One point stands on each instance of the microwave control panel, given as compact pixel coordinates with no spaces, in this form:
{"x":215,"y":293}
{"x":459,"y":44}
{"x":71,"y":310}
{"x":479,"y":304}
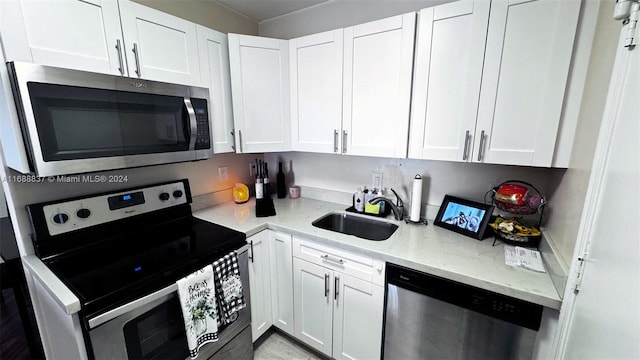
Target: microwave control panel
{"x":203,"y":135}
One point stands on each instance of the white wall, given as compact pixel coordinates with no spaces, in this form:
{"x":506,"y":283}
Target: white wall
{"x":337,"y":14}
{"x":206,"y":13}
{"x":347,"y":173}
{"x":570,"y":187}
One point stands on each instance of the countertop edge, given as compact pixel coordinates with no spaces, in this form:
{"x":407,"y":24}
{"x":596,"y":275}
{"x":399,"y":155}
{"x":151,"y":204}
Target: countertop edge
{"x":545,"y":301}
{"x":67,"y":300}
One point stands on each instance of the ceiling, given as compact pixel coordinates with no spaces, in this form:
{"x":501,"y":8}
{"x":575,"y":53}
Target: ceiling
{"x":260,"y":10}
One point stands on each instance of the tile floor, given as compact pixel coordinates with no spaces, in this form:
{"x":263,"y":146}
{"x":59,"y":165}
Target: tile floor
{"x":279,"y":347}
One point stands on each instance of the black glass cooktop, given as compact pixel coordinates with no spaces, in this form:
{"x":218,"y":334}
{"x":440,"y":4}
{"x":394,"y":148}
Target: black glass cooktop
{"x":137,"y":262}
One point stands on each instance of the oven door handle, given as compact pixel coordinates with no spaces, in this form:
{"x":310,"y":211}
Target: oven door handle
{"x":167,"y":293}
{"x":112,"y":314}
{"x":193,"y":125}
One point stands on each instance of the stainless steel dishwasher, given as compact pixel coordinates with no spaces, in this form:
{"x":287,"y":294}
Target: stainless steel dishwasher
{"x":428,"y":317}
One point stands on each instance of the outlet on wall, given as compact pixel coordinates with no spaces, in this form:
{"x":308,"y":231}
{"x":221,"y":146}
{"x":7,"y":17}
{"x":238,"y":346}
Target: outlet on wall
{"x":376,"y":180}
{"x":223,"y":173}
{"x":252,"y":169}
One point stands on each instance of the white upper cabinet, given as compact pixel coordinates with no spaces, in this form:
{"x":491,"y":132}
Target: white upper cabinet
{"x":448,"y":71}
{"x":378,"y":62}
{"x":528,"y":52}
{"x":316,"y":92}
{"x":73,"y":34}
{"x":159,"y":46}
{"x":214,"y":72}
{"x":260,"y":86}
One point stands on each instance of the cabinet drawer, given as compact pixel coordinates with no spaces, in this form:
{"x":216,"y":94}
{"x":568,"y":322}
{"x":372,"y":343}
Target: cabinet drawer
{"x":347,"y":262}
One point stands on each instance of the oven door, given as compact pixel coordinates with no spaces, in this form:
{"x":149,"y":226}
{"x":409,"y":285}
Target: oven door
{"x":152,"y":327}
{"x":77,"y":122}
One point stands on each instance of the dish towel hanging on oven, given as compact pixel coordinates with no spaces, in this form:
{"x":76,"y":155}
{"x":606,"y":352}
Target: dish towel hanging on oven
{"x":198,"y":300}
{"x":228,"y":287}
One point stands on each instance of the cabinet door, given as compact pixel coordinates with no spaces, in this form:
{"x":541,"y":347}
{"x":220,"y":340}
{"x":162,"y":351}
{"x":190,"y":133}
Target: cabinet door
{"x":260,"y":283}
{"x":378,"y":62}
{"x":313,"y":289}
{"x":446,"y":88}
{"x":316,"y":92}
{"x":281,"y":281}
{"x":159,"y":46}
{"x":260,"y":88}
{"x":529,"y":46}
{"x":214,"y":72}
{"x":72,"y":34}
{"x":357,"y":318}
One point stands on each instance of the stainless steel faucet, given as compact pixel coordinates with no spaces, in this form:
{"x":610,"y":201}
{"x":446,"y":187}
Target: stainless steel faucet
{"x":397,"y":213}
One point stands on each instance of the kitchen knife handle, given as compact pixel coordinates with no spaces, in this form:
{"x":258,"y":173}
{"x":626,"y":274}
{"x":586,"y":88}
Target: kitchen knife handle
{"x":344,"y":141}
{"x":136,"y":52}
{"x":120,"y":61}
{"x":335,"y":140}
{"x":326,"y":285}
{"x":337,"y":287}
{"x":465,"y":153}
{"x":481,"y":150}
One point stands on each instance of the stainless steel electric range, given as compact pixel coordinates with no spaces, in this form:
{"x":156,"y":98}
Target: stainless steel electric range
{"x":121,"y":254}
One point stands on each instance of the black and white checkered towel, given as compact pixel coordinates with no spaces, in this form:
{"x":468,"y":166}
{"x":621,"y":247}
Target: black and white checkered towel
{"x":228,"y":288}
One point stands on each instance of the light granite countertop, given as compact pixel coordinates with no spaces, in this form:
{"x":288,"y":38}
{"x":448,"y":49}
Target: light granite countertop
{"x":429,"y":249}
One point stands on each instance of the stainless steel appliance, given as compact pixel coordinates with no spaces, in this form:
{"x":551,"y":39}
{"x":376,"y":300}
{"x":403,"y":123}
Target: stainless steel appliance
{"x":121,"y":254}
{"x":76,"y":122}
{"x":427,"y":317}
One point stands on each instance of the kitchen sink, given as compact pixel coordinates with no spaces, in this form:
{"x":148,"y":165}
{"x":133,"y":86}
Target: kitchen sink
{"x":356,"y":225}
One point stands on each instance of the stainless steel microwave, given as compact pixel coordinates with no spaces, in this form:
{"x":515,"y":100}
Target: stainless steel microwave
{"x":77,"y":122}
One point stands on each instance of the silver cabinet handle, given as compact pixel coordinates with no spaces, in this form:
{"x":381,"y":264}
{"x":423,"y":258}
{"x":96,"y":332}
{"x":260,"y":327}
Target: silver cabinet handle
{"x":336,"y":291}
{"x":344,"y":141}
{"x":251,"y":246}
{"x":481,"y":150}
{"x":120,"y":61}
{"x":233,"y":138}
{"x":465,"y":153}
{"x":136,"y":52}
{"x":335,"y":140}
{"x":326,"y":285}
{"x":332,"y":259}
{"x":240,"y":139}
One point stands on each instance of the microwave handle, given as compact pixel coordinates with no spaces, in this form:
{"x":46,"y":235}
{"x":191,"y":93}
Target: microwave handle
{"x":193,"y":125}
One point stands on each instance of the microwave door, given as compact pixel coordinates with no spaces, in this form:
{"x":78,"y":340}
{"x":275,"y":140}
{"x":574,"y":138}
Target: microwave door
{"x":78,"y":122}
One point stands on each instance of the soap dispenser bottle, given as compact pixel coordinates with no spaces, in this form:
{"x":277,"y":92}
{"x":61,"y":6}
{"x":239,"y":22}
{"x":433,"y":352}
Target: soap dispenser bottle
{"x":358,"y":200}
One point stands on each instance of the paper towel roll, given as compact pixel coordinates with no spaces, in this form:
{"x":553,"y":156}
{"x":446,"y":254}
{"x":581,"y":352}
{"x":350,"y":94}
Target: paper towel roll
{"x":416,"y":199}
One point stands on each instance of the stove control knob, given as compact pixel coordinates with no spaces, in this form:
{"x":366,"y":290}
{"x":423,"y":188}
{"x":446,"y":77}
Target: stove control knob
{"x":60,"y":218}
{"x":164,"y":196}
{"x":177,"y":193}
{"x":83,"y":213}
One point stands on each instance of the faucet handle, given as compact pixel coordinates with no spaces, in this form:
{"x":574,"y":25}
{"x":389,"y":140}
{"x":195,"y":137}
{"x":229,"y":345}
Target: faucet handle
{"x":399,"y":202}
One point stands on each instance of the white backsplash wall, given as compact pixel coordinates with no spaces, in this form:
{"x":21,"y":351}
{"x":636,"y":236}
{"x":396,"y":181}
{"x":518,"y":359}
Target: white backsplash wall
{"x":203,"y":178}
{"x":347,"y":173}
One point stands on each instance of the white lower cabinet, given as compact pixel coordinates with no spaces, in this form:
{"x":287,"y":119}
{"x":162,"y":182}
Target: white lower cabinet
{"x":337,"y":313}
{"x":260,"y":284}
{"x":281,"y":281}
{"x":271,"y":282}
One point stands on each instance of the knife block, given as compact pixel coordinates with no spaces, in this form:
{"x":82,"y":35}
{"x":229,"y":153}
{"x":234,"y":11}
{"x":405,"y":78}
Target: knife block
{"x":264,"y":207}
